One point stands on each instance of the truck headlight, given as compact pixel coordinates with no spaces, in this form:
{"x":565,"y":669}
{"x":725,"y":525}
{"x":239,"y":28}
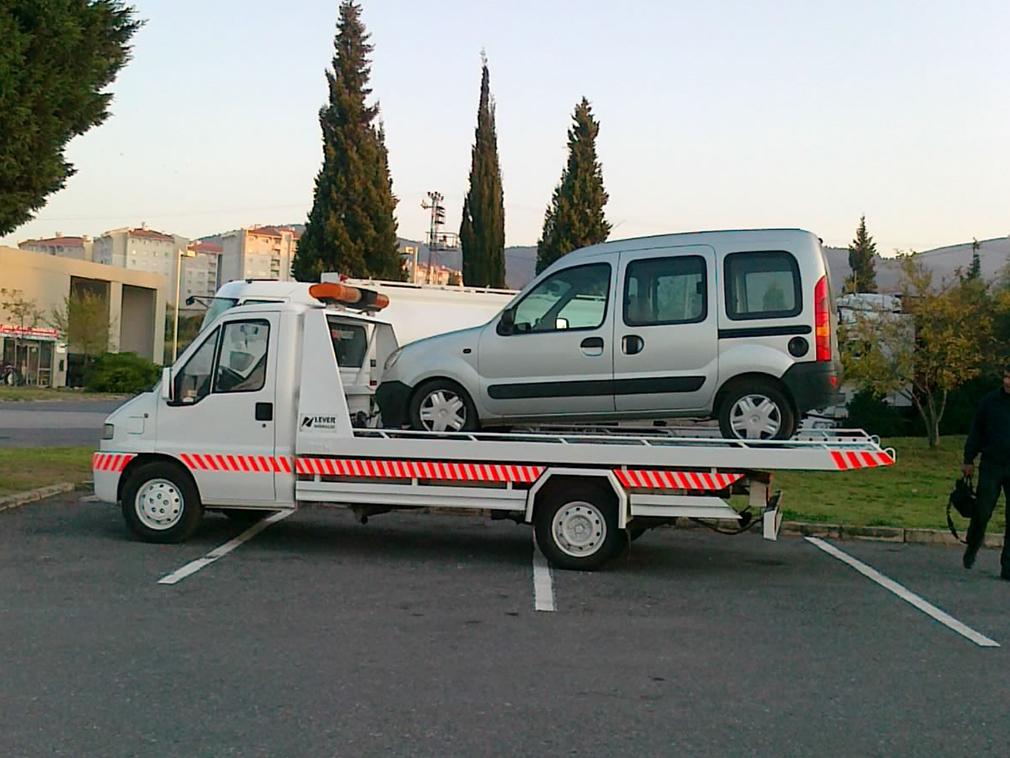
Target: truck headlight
{"x":108,"y":431}
{"x":392,"y":359}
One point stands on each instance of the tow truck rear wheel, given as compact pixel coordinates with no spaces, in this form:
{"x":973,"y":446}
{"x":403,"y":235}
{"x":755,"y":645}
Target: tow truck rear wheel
{"x":576,"y":527}
{"x":161,"y":503}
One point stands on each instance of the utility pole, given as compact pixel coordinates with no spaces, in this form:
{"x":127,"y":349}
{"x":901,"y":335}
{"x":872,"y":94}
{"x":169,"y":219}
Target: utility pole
{"x":437,"y":240}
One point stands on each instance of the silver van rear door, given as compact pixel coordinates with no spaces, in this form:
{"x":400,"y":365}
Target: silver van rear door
{"x":665,"y":330}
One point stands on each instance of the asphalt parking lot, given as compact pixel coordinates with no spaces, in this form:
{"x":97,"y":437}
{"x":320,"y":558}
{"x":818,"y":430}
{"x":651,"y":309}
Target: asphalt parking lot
{"x":418,"y":635}
{"x":54,"y":423}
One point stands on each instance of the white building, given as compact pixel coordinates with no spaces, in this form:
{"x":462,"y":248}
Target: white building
{"x":144,"y":249}
{"x":77,"y":248}
{"x":259,"y":252}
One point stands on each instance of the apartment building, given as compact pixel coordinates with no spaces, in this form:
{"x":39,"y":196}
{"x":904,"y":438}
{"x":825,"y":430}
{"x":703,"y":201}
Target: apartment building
{"x":257,"y":252}
{"x":148,"y":250}
{"x":76,"y":248}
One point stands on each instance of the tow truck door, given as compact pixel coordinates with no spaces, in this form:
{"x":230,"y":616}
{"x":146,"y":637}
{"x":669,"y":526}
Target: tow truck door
{"x":220,"y":420}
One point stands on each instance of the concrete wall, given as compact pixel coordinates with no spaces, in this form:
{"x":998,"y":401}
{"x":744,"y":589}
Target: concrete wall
{"x":47,"y":280}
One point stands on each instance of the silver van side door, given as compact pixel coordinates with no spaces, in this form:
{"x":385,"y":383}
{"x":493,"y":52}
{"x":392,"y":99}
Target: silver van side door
{"x":552,"y":353}
{"x":666,"y":348}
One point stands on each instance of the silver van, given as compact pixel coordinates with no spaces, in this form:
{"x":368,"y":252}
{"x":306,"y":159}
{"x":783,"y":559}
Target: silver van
{"x":735,"y":325}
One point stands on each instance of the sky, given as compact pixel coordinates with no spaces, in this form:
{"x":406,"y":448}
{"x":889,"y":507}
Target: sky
{"x":713,"y":115}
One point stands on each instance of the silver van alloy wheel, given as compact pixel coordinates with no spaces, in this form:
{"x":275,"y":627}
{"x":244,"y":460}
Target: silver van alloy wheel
{"x":158,"y":504}
{"x":755,"y":417}
{"x":579,"y":528}
{"x":443,"y":411}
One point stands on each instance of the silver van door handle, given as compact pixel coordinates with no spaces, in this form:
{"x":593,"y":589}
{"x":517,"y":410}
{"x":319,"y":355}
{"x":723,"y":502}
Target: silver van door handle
{"x":592,"y":346}
{"x":632,"y":344}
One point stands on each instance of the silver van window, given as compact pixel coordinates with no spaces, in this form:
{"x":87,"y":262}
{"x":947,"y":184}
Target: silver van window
{"x":762,"y":285}
{"x":665,"y":291}
{"x":574,"y":298}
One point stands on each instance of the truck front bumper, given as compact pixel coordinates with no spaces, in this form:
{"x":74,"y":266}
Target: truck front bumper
{"x":106,"y":470}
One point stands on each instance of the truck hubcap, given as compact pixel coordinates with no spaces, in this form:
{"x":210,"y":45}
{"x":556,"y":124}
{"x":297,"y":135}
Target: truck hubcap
{"x":755,"y":417}
{"x":579,"y":529}
{"x":443,"y":411}
{"x":159,"y":504}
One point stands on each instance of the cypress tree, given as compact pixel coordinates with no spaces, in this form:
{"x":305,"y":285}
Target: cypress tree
{"x":575,"y":215}
{"x":862,"y":252}
{"x":975,"y":272}
{"x":351,"y":228}
{"x":482,"y":231}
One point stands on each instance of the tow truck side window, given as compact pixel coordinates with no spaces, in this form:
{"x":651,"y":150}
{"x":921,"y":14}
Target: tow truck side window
{"x":350,"y":343}
{"x":192,"y":382}
{"x":242,"y":358}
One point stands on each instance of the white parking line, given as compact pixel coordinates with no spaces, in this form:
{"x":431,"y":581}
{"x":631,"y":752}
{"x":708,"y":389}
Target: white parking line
{"x":905,"y":594}
{"x":543,"y":581}
{"x":219,"y":552}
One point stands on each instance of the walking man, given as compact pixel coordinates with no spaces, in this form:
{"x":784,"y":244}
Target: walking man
{"x":990,"y":436}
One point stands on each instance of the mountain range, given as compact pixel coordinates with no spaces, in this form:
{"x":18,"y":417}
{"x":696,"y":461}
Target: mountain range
{"x":994,"y":255}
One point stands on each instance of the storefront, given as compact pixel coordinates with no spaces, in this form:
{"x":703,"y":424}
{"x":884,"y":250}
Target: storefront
{"x":32,"y":356}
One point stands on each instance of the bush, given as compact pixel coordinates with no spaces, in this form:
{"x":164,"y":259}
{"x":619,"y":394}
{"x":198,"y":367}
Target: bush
{"x":868,"y":411}
{"x":121,"y":372}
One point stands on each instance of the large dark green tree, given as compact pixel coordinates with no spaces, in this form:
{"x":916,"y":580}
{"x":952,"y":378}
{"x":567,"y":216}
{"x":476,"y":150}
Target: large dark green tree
{"x":482,"y":231}
{"x":575,"y":216}
{"x":56,"y":59}
{"x":351,"y":228}
{"x":862,"y":255}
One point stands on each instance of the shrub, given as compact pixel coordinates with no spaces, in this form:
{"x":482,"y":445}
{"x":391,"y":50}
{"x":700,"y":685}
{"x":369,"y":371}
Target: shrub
{"x":868,"y":411}
{"x":121,"y":372}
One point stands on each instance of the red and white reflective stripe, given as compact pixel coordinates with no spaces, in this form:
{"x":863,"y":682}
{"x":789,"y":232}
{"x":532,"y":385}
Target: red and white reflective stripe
{"x":851,"y":459}
{"x":111,"y":461}
{"x":675,"y":480}
{"x":237,"y":464}
{"x":432,"y":470}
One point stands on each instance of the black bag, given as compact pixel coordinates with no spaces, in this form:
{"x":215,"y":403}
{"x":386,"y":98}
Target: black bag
{"x":962,"y":497}
{"x":962,"y":500}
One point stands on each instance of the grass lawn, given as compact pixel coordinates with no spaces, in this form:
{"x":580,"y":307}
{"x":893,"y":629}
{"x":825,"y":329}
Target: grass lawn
{"x":911,"y":493}
{"x":27,"y":468}
{"x":14,"y":394}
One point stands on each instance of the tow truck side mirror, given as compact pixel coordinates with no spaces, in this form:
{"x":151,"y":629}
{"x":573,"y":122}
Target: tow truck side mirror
{"x":166,"y":383}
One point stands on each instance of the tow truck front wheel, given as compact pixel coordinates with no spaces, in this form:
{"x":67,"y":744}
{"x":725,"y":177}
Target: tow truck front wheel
{"x":161,"y":503}
{"x":576,"y":527}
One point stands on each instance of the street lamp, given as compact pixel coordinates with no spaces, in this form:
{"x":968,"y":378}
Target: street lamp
{"x":182,"y":253}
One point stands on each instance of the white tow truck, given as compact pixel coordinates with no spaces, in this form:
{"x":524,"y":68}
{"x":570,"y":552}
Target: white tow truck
{"x":253,"y":419}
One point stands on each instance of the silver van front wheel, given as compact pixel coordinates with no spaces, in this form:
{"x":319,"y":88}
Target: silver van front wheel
{"x":442,"y":406}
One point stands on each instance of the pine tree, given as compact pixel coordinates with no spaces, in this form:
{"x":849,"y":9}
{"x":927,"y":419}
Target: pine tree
{"x":482,"y":231}
{"x":975,"y":272}
{"x":575,"y":216}
{"x":862,"y":253}
{"x":351,"y":228}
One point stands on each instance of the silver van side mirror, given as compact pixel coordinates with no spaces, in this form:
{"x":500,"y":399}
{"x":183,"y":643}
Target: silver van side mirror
{"x":506,"y":325}
{"x":166,"y":383}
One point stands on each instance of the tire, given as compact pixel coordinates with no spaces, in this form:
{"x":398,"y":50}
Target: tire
{"x":576,"y":527}
{"x":161,"y":503}
{"x":442,"y":405}
{"x":756,"y":409}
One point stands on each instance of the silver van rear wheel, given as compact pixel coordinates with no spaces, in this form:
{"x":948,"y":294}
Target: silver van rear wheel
{"x":756,"y":410}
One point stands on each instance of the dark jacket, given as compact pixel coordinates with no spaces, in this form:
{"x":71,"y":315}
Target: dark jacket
{"x":990,"y":431}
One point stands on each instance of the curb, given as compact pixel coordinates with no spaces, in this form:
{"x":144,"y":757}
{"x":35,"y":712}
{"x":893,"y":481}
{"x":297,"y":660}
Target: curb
{"x":879,"y":534}
{"x":8,"y":502}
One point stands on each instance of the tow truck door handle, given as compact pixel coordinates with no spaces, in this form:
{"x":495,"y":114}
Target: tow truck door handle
{"x":264,"y":411}
{"x":592,"y":346}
